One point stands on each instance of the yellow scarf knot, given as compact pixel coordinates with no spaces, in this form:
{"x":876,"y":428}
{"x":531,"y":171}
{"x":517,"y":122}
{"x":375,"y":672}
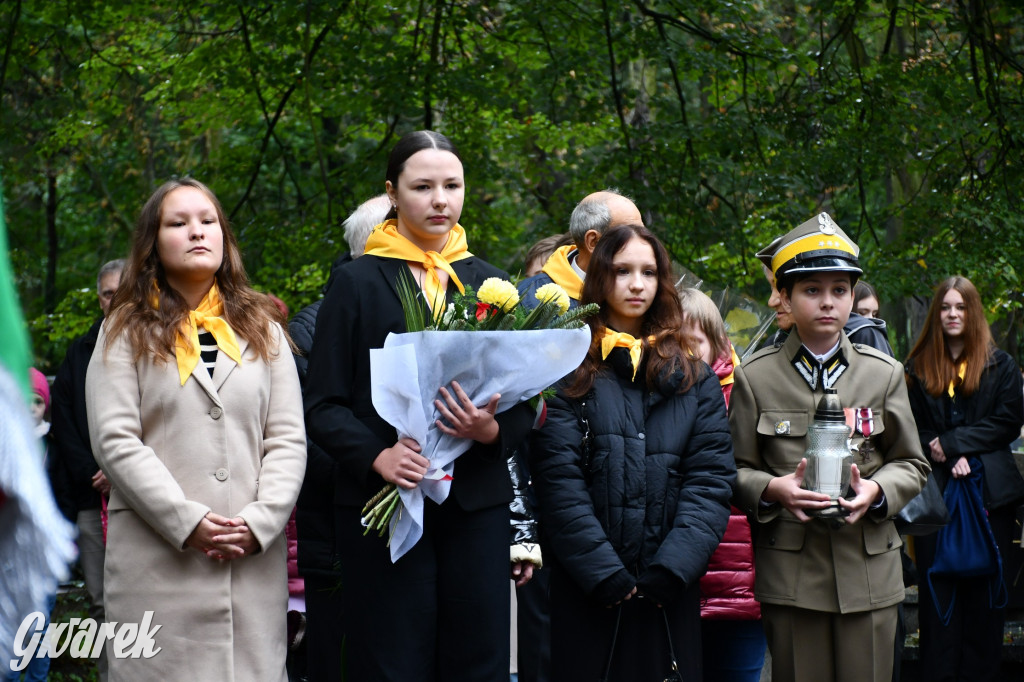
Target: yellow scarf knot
{"x":961,"y":370}
{"x":387,"y":242}
{"x":613,"y":339}
{"x":207,"y":315}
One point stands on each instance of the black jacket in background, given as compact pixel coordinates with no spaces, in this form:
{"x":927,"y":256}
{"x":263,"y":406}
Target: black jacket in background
{"x":980,"y":425}
{"x":73,"y":461}
{"x":315,"y":512}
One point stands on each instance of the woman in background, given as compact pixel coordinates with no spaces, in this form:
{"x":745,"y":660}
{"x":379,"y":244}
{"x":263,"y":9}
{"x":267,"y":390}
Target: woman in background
{"x":195,"y":417}
{"x":966,"y":396}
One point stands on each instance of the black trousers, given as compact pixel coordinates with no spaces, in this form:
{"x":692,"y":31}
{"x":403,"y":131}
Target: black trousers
{"x":534,"y":620}
{"x":323,"y":628}
{"x":441,"y":613}
{"x":970,"y":647}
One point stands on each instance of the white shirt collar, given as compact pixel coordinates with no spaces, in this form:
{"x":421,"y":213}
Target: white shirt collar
{"x":578,"y":269}
{"x":825,"y":356}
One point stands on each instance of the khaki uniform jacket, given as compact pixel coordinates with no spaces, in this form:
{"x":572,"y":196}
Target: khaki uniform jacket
{"x":814,"y":565}
{"x":234,"y":444}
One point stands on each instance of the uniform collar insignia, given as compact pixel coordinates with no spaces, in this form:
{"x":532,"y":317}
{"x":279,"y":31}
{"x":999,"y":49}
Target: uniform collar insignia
{"x":816,"y":375}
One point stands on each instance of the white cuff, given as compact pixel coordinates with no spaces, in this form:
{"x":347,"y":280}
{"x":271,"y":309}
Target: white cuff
{"x":526,"y":552}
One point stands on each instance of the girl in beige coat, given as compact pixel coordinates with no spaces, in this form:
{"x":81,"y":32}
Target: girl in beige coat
{"x":195,"y":416}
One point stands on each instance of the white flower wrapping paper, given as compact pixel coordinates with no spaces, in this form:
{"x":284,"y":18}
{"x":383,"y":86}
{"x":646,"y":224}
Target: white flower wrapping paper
{"x":409,"y":371}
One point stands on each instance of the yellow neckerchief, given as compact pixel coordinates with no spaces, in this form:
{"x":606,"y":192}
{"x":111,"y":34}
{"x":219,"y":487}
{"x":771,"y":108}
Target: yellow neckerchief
{"x":559,"y":269}
{"x":613,"y":339}
{"x":207,"y":315}
{"x":731,"y":377}
{"x":961,"y":370}
{"x":387,"y":242}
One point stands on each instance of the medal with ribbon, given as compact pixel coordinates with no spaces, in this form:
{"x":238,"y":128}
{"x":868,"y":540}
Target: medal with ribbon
{"x":865,"y":425}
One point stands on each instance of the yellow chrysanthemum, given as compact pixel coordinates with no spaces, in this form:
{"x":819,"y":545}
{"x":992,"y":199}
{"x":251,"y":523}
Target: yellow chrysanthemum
{"x":554,"y":293}
{"x":498,"y":292}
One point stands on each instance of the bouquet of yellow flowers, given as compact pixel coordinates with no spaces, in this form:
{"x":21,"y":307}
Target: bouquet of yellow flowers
{"x":489,"y":343}
{"x":494,"y":307}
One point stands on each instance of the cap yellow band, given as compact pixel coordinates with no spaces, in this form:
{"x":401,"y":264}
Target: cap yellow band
{"x":811,"y":242}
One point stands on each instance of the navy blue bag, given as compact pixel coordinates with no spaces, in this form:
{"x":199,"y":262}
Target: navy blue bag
{"x":966,"y":547}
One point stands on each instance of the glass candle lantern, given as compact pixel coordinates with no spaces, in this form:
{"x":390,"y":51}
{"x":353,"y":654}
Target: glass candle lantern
{"x":828,"y":454}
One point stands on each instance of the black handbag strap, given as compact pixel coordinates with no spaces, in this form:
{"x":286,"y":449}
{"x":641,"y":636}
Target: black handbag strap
{"x":675,"y":674}
{"x":611,"y":649}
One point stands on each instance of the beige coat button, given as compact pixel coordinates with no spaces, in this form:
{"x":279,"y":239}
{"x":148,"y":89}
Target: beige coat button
{"x":216,"y":412}
{"x":221,"y":474}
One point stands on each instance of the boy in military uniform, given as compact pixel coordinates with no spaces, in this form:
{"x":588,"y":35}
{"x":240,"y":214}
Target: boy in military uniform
{"x":828,"y":586}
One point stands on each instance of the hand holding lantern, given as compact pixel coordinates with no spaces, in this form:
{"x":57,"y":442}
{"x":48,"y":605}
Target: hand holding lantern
{"x":828,"y":455}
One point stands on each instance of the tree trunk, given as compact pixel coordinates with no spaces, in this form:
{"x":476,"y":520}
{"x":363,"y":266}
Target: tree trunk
{"x":50,"y":287}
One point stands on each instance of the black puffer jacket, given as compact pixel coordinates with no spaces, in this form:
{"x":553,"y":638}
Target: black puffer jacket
{"x":981,"y":425}
{"x":655,"y":502}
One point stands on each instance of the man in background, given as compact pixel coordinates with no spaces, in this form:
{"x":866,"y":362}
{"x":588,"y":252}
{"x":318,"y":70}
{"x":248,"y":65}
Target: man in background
{"x":567,"y":266}
{"x":85,"y":482}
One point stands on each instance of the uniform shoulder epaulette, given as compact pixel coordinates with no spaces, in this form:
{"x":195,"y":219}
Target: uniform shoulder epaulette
{"x":767,"y":351}
{"x":865,"y":349}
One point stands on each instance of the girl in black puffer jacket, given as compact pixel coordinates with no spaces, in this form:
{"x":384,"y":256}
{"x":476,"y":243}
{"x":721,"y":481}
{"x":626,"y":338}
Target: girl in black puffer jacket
{"x":633,"y":471}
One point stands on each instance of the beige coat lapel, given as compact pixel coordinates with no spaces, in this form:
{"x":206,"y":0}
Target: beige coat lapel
{"x":221,"y":369}
{"x":225,"y":365}
{"x":201,"y":375}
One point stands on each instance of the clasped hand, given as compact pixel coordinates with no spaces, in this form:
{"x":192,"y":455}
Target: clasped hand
{"x":462,"y":419}
{"x":403,"y":465}
{"x":960,"y":468}
{"x":219,"y":537}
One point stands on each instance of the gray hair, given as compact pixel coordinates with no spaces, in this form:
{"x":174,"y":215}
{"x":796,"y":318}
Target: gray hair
{"x":360,"y":224}
{"x":109,"y":267}
{"x":591,"y":214}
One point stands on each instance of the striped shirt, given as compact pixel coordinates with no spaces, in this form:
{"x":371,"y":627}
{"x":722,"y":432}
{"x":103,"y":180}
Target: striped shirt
{"x":208,"y":350}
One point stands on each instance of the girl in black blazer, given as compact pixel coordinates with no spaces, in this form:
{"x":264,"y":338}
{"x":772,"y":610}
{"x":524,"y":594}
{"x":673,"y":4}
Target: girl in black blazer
{"x":441,"y":612}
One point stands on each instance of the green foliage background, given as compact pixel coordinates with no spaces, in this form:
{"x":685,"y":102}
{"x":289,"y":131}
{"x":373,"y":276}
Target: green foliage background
{"x":728,"y":122}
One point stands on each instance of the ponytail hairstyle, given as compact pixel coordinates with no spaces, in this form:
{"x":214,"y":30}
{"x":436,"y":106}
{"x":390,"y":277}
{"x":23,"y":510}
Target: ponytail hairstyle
{"x":933,"y":365}
{"x":153,"y":329}
{"x":669,"y":349}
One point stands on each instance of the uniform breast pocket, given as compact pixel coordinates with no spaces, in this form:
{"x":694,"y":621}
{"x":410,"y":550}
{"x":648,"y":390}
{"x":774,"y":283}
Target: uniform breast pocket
{"x":784,"y":435}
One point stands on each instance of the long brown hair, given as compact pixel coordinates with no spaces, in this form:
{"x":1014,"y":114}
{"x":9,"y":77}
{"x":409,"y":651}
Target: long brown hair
{"x":932,"y":363}
{"x":152,"y":331}
{"x":663,"y":320}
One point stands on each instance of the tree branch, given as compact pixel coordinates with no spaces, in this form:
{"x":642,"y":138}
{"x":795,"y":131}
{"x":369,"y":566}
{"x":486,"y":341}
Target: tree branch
{"x":277,"y":116}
